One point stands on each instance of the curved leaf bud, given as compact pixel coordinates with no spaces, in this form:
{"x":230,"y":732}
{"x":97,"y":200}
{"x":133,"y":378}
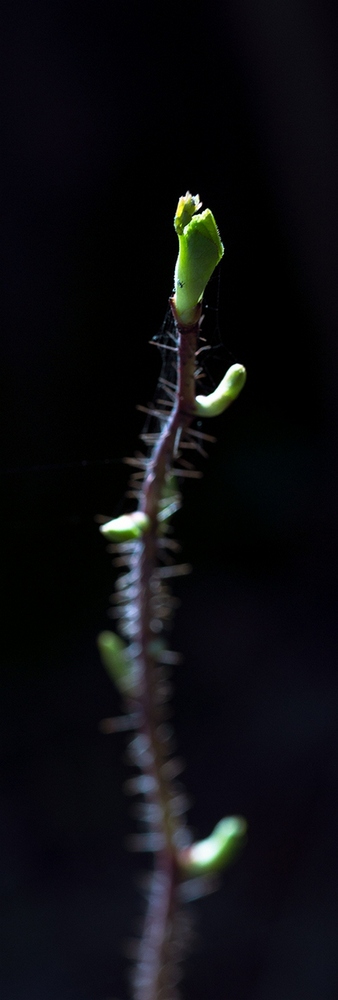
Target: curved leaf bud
{"x":200,"y":250}
{"x":126,"y":527}
{"x":112,"y":651}
{"x":217,"y":851}
{"x":227,"y":390}
{"x":187,"y":206}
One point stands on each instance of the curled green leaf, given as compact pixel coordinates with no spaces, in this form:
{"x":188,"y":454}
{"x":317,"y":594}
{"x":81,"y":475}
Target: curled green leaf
{"x":112,"y":651}
{"x":126,"y":527}
{"x":227,"y":390}
{"x":217,"y":851}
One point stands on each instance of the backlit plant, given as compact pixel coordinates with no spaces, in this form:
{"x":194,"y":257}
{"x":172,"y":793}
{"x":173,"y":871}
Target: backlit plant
{"x":138,"y":659}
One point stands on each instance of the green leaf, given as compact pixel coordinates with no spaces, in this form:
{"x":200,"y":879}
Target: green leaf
{"x":126,"y":527}
{"x":113,"y":657}
{"x":227,"y":390}
{"x":217,"y":851}
{"x":186,"y":208}
{"x":200,"y":250}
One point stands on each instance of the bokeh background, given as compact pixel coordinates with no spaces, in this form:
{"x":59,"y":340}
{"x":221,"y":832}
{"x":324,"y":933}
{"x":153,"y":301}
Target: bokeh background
{"x":109,"y":113}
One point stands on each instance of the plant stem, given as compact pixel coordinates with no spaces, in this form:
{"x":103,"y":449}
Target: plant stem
{"x":166,"y":830}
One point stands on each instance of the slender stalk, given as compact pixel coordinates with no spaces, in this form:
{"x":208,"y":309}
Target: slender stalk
{"x":155,"y":946}
{"x":144,"y":605}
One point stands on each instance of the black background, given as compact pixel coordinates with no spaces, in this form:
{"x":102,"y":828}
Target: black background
{"x":109,"y":113}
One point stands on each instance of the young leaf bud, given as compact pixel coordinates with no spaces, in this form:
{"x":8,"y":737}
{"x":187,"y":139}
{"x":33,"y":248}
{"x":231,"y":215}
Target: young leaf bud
{"x":227,"y":390}
{"x":128,"y":526}
{"x":200,"y":250}
{"x":113,"y":658}
{"x":217,"y":851}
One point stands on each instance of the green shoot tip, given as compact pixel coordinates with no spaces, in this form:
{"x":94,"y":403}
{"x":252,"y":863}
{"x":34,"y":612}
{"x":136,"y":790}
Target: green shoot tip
{"x":200,"y":250}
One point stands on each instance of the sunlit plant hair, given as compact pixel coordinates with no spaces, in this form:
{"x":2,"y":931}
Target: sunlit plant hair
{"x":138,"y":659}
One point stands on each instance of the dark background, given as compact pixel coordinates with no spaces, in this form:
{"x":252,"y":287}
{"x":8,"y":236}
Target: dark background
{"x":109,"y":113}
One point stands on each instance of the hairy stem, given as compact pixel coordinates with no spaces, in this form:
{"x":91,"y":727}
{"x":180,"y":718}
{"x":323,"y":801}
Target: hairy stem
{"x":182,"y":869}
{"x":158,"y":930}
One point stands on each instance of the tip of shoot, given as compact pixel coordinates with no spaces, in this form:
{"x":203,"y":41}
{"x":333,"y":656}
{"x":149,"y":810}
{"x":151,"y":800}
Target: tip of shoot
{"x":200,"y":250}
{"x":187,"y":206}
